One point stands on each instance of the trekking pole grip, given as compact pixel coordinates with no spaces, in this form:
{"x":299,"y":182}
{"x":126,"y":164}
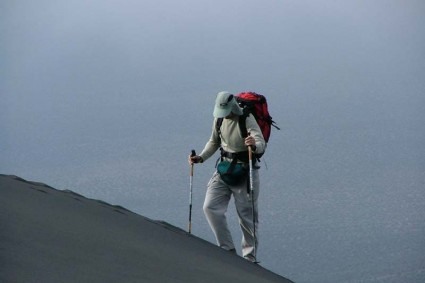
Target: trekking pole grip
{"x":191,"y":167}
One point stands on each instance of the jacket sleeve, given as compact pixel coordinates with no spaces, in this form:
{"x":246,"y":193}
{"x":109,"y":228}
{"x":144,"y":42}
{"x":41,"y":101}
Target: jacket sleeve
{"x":255,"y":131}
{"x":212,"y":145}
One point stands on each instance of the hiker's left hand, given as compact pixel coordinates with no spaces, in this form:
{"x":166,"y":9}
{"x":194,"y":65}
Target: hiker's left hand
{"x":249,"y":141}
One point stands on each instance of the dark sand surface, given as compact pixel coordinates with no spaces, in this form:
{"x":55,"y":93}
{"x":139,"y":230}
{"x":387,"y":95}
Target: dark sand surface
{"x":49,"y":235}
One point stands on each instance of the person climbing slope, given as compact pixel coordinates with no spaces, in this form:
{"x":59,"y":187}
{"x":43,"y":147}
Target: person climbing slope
{"x":231,"y":177}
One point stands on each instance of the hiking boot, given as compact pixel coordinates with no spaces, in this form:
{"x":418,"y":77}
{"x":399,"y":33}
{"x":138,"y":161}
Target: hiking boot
{"x":250,"y":258}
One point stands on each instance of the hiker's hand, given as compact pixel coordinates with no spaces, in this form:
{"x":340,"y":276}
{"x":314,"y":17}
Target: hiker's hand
{"x":250,"y":141}
{"x":195,"y":159}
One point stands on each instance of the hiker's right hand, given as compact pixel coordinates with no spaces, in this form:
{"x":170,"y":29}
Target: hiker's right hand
{"x":195,"y":159}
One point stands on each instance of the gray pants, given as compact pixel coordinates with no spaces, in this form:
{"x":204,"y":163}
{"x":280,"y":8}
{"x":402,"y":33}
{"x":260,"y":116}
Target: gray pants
{"x":215,"y":207}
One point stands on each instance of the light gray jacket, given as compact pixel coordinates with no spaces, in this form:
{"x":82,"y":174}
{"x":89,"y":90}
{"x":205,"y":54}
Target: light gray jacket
{"x":231,"y":137}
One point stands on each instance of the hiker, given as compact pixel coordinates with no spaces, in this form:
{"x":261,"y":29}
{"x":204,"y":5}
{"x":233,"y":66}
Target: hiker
{"x":224,"y":183}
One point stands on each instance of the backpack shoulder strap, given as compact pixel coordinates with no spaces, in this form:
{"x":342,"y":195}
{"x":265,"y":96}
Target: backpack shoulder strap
{"x":242,"y":125}
{"x":244,"y":131}
{"x":218,"y":126}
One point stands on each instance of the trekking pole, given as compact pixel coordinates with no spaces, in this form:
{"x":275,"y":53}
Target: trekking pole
{"x":190,"y":194}
{"x":251,"y":191}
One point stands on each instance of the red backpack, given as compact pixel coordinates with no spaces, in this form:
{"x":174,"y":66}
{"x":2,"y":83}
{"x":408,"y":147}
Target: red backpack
{"x":256,"y":104}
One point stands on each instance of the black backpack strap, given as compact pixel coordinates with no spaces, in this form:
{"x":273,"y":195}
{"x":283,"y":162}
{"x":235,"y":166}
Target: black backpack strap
{"x":244,"y":131}
{"x":218,"y":126}
{"x":242,"y":125}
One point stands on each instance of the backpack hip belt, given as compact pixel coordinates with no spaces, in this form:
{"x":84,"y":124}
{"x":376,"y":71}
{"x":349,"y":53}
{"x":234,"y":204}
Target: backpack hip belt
{"x":241,"y":156}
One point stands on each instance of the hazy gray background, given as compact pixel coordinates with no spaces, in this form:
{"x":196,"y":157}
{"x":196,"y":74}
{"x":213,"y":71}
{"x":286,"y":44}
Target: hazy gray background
{"x":107,"y":98}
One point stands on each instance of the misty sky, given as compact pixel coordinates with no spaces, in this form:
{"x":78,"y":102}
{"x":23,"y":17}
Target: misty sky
{"x":71,"y":70}
{"x":125,"y":48}
{"x":107,"y":97}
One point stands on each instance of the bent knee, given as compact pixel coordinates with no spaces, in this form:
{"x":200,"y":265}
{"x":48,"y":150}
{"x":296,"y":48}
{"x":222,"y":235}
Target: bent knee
{"x":210,"y":209}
